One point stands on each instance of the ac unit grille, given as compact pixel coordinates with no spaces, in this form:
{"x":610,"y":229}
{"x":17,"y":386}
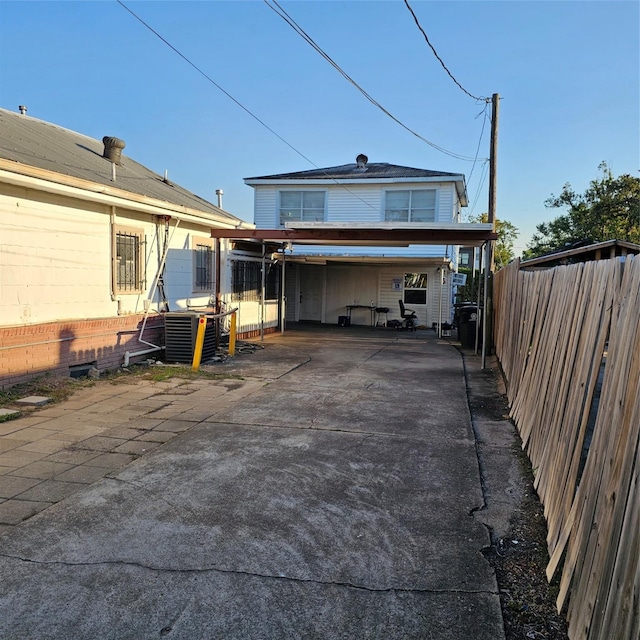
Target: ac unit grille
{"x":180,"y":331}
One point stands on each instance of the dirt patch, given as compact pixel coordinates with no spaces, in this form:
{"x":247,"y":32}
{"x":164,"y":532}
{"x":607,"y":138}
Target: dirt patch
{"x":519,"y":557}
{"x":519,"y":561}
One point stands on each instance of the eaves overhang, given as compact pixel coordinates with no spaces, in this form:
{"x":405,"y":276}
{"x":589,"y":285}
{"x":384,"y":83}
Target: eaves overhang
{"x":30,"y":177}
{"x":457,"y":179}
{"x":382,"y":234}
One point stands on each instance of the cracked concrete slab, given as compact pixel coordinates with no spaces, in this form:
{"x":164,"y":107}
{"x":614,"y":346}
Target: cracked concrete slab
{"x":297,"y":511}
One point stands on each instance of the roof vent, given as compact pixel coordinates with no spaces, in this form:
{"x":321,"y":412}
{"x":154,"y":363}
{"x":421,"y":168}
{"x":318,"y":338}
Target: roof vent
{"x":22,"y":109}
{"x":113,"y":149}
{"x":361,"y":161}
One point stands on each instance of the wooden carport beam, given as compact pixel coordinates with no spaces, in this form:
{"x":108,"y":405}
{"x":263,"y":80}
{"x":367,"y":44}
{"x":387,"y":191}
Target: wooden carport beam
{"x":464,"y":237}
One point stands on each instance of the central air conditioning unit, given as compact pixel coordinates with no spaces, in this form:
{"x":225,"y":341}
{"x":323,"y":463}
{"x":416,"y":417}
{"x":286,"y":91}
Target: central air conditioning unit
{"x":180,"y":331}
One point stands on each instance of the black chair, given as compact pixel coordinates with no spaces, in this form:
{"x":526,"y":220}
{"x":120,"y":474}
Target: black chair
{"x":408,"y":317}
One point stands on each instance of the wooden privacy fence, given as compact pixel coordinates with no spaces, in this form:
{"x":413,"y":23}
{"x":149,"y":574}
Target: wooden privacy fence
{"x":568,"y":341}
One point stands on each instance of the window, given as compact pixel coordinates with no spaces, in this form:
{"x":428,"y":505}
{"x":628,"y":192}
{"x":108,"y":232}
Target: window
{"x":203,"y":265}
{"x":246,"y":281}
{"x":465,"y":257}
{"x":128,"y":261}
{"x":415,"y":288}
{"x":417,"y":205}
{"x":301,"y":206}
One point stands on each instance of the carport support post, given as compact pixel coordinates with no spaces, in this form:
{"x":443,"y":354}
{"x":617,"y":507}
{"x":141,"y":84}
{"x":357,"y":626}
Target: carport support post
{"x":263,"y":290}
{"x":283,"y":310}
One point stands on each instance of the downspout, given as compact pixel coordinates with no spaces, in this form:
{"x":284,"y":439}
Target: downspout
{"x":128,"y":354}
{"x":112,"y":225}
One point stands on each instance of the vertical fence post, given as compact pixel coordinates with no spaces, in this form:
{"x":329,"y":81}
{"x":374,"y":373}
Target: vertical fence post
{"x":197,"y":351}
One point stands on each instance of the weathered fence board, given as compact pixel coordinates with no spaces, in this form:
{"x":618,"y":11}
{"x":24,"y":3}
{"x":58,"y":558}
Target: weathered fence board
{"x":553,"y":329}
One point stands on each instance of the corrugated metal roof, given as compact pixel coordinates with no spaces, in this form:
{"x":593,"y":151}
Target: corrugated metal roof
{"x":371,"y":171}
{"x":47,"y":146}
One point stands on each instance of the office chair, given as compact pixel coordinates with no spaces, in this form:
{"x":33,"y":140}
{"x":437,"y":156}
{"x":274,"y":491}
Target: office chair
{"x":408,"y":317}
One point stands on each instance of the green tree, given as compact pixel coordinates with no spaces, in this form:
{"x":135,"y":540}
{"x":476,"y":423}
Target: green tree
{"x":507,"y":235}
{"x":608,"y":210}
{"x":503,"y":255}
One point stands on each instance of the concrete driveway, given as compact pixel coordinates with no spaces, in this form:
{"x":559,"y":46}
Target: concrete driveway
{"x":333,"y":498}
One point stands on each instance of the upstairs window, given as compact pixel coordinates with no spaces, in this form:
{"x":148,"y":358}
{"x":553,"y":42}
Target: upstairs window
{"x":128,"y":260}
{"x":203,"y":254}
{"x":415,"y":205}
{"x":301,"y":206}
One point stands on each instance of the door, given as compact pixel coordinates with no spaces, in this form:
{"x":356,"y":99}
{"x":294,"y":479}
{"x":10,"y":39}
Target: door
{"x":311,"y":286}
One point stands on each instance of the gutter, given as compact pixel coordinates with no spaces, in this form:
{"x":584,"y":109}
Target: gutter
{"x":22,"y":175}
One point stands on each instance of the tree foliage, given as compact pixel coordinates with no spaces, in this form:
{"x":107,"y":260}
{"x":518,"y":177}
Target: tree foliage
{"x":608,"y":210}
{"x":507,"y":235}
{"x":503,"y":255}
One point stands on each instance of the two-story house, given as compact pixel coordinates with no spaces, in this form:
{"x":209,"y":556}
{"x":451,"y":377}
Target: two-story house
{"x":381,"y":209}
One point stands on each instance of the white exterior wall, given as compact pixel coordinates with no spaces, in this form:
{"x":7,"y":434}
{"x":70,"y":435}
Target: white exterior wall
{"x":55,"y":260}
{"x":359,"y":204}
{"x":348,"y":284}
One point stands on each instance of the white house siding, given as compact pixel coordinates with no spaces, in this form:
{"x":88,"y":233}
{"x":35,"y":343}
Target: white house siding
{"x":54,"y":259}
{"x":349,"y":284}
{"x":351,"y":203}
{"x":57,"y":308}
{"x":265,"y":211}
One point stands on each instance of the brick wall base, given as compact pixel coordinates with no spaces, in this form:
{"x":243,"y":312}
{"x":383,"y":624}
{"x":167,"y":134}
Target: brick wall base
{"x":56,"y":347}
{"x":247,"y":335}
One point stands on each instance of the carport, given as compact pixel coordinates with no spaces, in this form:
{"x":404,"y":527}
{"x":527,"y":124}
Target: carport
{"x":382,"y":234}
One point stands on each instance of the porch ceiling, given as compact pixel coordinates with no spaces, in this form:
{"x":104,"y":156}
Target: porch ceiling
{"x":382,"y":234}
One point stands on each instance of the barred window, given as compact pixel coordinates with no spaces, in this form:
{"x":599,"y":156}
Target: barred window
{"x":128,"y":269}
{"x":246,"y":281}
{"x":203,"y":265}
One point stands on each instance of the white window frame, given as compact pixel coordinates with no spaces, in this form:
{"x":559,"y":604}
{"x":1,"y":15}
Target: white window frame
{"x":410,"y":208}
{"x":118,"y":286}
{"x":410,"y":287}
{"x":197,"y":245}
{"x":281,"y":223}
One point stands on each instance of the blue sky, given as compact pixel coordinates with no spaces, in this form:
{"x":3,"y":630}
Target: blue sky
{"x":567,"y":72}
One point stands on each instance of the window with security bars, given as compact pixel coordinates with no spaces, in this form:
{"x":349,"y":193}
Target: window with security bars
{"x":128,"y":273}
{"x":301,"y":206}
{"x":246,"y":281}
{"x":203,"y":265}
{"x":415,"y":205}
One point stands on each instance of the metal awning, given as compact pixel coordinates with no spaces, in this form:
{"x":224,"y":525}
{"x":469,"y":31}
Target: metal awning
{"x":367,"y":234}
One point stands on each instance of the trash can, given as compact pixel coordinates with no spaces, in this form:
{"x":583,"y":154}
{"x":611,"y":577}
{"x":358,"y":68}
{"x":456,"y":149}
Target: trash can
{"x":468,"y":317}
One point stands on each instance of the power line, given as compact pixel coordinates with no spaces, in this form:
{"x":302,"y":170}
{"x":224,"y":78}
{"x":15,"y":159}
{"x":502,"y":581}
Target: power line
{"x":435,"y":53}
{"x":215,"y":84}
{"x":260,"y":121}
{"x":226,"y":93}
{"x":277,"y":9}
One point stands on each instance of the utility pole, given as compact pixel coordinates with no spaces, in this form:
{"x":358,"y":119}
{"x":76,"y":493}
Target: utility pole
{"x":489,"y":257}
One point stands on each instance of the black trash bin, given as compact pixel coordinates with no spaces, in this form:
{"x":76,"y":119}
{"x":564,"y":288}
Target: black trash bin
{"x":468,"y":317}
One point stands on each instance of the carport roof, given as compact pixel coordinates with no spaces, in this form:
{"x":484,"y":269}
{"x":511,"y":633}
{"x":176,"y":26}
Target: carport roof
{"x":369,"y":234}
